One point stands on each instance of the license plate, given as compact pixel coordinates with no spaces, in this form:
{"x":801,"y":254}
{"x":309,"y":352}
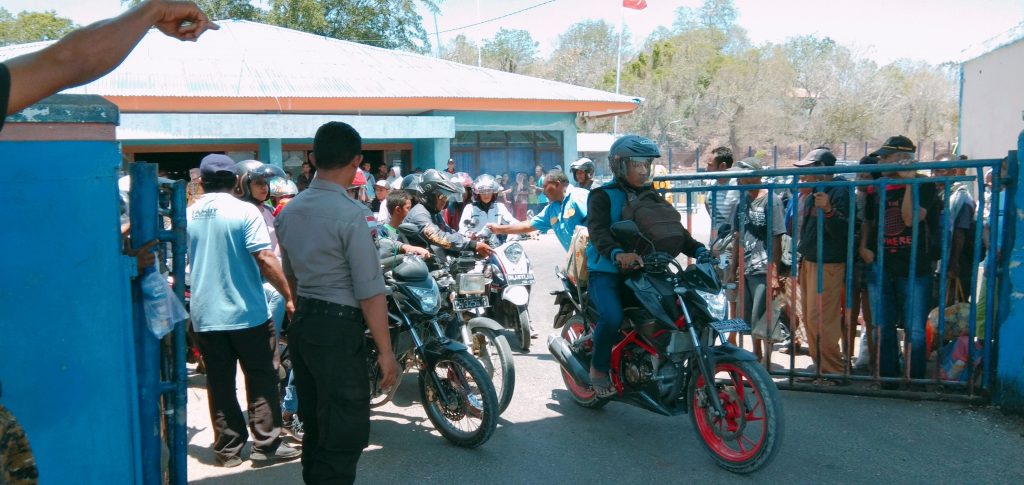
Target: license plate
{"x":470,"y":302}
{"x":521,"y":279}
{"x":731,"y":325}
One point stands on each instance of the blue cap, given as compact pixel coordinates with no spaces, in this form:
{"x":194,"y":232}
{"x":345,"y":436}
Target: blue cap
{"x":214,"y":163}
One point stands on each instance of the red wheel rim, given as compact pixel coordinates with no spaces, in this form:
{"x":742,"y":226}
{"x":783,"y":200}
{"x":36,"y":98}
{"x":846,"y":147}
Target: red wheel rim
{"x":740,"y":434}
{"x":571,"y":332}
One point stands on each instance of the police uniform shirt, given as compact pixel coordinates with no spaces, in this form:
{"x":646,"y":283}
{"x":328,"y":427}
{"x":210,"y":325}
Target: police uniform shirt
{"x":327,"y":245}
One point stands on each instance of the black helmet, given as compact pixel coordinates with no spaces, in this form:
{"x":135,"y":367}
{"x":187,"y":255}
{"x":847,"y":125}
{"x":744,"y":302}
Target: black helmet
{"x":627,"y":147}
{"x":411,"y":184}
{"x":585,"y":164}
{"x":434,"y":184}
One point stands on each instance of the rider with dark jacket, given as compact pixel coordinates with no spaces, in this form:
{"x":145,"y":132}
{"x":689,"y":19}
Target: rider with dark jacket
{"x":432,"y":190}
{"x":630,"y":159}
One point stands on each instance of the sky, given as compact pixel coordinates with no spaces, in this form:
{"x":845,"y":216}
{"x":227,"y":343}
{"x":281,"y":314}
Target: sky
{"x":883,"y":30}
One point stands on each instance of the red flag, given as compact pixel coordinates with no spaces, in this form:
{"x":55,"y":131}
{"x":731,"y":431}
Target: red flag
{"x":635,"y":4}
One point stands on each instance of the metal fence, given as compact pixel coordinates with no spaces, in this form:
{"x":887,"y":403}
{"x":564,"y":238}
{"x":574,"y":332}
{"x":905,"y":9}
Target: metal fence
{"x":966,"y":339}
{"x":677,"y":158}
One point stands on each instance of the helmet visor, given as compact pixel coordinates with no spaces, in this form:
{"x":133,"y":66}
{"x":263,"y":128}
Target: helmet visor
{"x":639,"y":171}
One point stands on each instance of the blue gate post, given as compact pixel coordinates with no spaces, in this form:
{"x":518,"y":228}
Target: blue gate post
{"x":68,"y":366}
{"x":1009,"y":391}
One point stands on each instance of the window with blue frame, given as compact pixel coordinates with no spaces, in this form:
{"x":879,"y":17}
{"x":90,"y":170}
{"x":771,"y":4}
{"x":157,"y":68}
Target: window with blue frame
{"x":506,"y":152}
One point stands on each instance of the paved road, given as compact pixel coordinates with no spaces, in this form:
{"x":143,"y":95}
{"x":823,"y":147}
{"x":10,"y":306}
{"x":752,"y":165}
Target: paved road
{"x":544,"y":438}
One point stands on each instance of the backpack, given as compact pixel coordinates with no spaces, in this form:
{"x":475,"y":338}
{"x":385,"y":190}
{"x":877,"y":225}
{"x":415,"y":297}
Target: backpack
{"x":657,"y":221}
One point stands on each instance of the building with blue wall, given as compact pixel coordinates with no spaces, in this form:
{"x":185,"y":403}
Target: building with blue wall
{"x":259,"y":91}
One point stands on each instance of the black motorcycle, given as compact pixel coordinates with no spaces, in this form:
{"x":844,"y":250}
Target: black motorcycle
{"x":455,"y":389}
{"x":671,"y":357}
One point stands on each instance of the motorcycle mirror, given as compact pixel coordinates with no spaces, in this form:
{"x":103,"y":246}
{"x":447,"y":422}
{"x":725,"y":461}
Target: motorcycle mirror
{"x":408,"y":230}
{"x":625,"y":230}
{"x":724,"y":229}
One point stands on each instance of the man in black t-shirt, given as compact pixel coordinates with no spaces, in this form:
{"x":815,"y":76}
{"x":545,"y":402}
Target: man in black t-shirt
{"x":898,"y":292}
{"x":92,"y":51}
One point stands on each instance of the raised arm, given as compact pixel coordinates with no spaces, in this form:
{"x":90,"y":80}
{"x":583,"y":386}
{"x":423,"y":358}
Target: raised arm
{"x":92,"y":51}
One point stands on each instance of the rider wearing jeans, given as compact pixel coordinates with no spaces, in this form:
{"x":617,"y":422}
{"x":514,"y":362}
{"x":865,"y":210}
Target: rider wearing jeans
{"x":630,"y":159}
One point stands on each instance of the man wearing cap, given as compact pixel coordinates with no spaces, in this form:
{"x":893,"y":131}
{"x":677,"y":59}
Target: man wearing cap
{"x":331,"y":263}
{"x":823,"y":310}
{"x":379,"y":205}
{"x":229,"y":252}
{"x":899,"y":289}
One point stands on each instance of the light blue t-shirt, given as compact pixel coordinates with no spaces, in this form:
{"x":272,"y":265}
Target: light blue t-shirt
{"x":227,"y":288}
{"x":564,"y":216}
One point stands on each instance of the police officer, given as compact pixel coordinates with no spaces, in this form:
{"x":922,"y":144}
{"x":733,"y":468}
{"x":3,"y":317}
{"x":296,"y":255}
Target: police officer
{"x":331,"y":262}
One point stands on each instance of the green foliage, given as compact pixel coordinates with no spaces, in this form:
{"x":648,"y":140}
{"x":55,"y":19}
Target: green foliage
{"x":32,"y":27}
{"x":510,"y":51}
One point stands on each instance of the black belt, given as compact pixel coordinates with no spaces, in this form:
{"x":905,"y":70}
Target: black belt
{"x":314,"y":306}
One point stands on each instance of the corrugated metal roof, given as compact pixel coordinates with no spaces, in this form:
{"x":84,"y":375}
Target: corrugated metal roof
{"x":1004,"y":39}
{"x":248,"y":59}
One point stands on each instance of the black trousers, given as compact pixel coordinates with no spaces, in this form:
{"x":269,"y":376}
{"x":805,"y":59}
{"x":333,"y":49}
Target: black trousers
{"x":256,"y":350}
{"x":329,"y":358}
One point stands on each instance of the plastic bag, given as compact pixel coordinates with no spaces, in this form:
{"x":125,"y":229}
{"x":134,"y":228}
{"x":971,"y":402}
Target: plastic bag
{"x":162,"y":307}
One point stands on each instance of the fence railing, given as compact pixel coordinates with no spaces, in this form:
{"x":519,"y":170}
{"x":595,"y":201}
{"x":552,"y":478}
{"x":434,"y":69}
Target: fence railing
{"x":933,"y":351}
{"x":677,"y":158}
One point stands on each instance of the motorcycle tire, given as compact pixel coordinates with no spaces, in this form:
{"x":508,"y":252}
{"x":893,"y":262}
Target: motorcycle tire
{"x":473,"y":396}
{"x":581,"y":394}
{"x":522,"y":323}
{"x":495,"y":356}
{"x":751,"y":402}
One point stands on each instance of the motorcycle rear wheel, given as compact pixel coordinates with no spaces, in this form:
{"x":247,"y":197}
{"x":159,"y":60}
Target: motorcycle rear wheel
{"x":581,"y":394}
{"x":748,"y":436}
{"x":494,"y":354}
{"x":470,"y":416}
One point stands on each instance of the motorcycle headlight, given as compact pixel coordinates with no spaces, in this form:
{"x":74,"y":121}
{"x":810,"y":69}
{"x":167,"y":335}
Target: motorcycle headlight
{"x":429,"y":299}
{"x":717,"y":304}
{"x":472,"y":284}
{"x":513,"y":252}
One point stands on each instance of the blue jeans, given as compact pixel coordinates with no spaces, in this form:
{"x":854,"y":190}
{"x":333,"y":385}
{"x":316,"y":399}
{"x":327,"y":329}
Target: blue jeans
{"x":895,"y":296}
{"x":291,"y":398}
{"x":603,"y":289}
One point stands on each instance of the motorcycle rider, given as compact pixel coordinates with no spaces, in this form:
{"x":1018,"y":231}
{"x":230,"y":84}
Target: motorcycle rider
{"x":485,"y":209}
{"x":432,"y":190}
{"x":583,"y":172}
{"x":630,"y":159}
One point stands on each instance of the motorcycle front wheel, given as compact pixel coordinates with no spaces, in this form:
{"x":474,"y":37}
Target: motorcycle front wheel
{"x":522,"y":322}
{"x":494,"y":354}
{"x":466,"y":413}
{"x":747,"y":437}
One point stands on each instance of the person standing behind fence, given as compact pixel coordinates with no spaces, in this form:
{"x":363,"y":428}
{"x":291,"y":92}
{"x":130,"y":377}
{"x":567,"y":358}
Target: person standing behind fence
{"x":823,"y":307}
{"x":330,"y":259}
{"x":898,"y":289}
{"x":751,"y":222}
{"x":724,"y":200}
{"x":961,"y":227}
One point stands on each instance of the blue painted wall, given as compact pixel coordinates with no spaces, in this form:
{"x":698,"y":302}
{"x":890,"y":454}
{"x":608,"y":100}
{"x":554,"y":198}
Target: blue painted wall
{"x":1010,"y":367}
{"x":66,"y":337}
{"x":490,"y":121}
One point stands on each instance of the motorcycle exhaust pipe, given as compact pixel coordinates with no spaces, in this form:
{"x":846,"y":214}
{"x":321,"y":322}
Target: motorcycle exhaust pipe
{"x":559,"y":348}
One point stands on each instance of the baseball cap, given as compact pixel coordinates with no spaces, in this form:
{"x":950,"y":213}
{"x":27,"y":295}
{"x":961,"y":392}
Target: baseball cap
{"x":214,"y":163}
{"x":895,"y":144}
{"x":750,"y":163}
{"x":818,"y":156}
{"x":381,"y":183}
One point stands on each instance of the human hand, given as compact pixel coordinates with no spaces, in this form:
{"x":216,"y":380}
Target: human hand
{"x":289,"y":309}
{"x":867,"y":255}
{"x":144,"y":256}
{"x":483,"y":250}
{"x":629,"y":261}
{"x":417,"y":251}
{"x":182,"y":20}
{"x":388,"y":370}
{"x":821,"y":202}
{"x":495,"y":228}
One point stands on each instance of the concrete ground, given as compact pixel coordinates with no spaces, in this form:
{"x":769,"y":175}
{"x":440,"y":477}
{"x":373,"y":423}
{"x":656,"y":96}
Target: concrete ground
{"x":544,"y":438}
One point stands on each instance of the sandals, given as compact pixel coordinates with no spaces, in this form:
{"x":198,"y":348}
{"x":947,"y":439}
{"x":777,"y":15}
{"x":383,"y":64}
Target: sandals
{"x":602,"y":387}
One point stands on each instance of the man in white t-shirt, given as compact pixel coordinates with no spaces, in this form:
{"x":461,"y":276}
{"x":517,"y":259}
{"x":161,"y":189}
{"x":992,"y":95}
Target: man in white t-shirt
{"x":230,"y":254}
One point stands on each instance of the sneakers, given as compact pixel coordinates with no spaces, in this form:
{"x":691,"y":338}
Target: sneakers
{"x":230,"y":462}
{"x":283,"y":452}
{"x":294,"y":428}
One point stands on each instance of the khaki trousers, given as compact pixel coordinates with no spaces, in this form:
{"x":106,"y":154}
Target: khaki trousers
{"x":823,"y":316}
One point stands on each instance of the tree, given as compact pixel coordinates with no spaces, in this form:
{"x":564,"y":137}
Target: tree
{"x":585,"y":53}
{"x":33,"y":27}
{"x":392,"y":24}
{"x":461,"y":49}
{"x":510,"y":50}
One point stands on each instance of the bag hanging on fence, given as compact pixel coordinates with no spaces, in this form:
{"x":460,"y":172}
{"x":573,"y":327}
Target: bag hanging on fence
{"x":956,"y":321}
{"x":576,"y":268}
{"x":954,"y":357}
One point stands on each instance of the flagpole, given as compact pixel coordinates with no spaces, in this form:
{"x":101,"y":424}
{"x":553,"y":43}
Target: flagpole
{"x":618,"y":67}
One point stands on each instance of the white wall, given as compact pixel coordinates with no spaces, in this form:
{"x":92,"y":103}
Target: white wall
{"x":992,"y":105}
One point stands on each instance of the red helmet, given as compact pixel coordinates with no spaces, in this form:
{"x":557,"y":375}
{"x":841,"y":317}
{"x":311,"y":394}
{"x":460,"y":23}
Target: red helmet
{"x":360,"y":180}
